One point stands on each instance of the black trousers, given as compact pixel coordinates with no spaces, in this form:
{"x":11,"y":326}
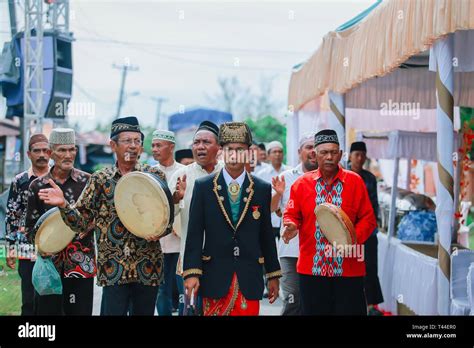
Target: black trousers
{"x":25,"y":270}
{"x":373,"y":291}
{"x":133,"y":298}
{"x":77,"y":298}
{"x":276,"y":232}
{"x":332,"y":295}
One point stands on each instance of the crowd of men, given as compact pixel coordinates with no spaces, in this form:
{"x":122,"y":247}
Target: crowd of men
{"x":244,"y":226}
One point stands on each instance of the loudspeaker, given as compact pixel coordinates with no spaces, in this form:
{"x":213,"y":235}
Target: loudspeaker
{"x":57,"y":77}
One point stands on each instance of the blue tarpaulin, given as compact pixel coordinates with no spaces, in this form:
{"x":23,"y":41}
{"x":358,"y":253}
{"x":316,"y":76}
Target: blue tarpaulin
{"x":194,"y":117}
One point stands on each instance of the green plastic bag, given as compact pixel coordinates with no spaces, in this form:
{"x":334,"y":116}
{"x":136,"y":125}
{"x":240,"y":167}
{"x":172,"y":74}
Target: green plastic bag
{"x":46,"y":279}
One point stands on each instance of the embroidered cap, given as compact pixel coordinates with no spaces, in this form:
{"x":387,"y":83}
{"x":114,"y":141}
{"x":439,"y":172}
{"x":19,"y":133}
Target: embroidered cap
{"x":326,"y":136}
{"x":62,"y":136}
{"x":125,"y":124}
{"x":235,"y":132}
{"x":161,"y":134}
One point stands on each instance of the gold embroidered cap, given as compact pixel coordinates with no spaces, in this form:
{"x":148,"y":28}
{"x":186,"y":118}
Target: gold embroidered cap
{"x":125,"y":124}
{"x":235,"y":132}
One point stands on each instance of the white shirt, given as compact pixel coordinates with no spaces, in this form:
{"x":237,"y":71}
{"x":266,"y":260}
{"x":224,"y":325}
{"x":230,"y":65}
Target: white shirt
{"x":259,"y":167}
{"x":267,"y":174}
{"x":228,"y":179}
{"x":193,"y":172}
{"x":171,"y":243}
{"x":292,"y":249}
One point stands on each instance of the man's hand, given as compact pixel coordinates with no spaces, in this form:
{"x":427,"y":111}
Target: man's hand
{"x":278,"y":185}
{"x":273,"y":288}
{"x":190,"y":284}
{"x":152,"y":239}
{"x":180,"y":189}
{"x":11,"y":262}
{"x":52,"y":196}
{"x":290,"y":231}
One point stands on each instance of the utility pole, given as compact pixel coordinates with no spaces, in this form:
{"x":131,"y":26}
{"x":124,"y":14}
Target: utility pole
{"x":125,"y":68}
{"x":159,"y":102}
{"x":12,"y":12}
{"x":33,"y":70}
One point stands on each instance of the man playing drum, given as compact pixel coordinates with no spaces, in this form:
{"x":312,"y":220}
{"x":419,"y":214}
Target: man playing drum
{"x":331,"y":278}
{"x":76,"y":263}
{"x":130,"y":268}
{"x":230,"y":236}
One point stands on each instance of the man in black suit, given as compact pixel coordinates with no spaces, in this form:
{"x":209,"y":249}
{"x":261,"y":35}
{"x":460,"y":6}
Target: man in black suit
{"x":230,"y":233}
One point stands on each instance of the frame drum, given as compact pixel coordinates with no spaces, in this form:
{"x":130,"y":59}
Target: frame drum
{"x":144,"y":204}
{"x":52,"y":234}
{"x":335,"y":224}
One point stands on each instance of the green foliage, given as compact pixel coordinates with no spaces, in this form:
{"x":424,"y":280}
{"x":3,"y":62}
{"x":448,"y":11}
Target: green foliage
{"x":266,"y":129}
{"x":148,"y":131}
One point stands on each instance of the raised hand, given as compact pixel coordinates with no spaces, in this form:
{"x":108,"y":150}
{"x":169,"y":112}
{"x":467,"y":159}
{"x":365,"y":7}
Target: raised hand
{"x":278,"y":184}
{"x":52,"y":196}
{"x":180,"y":189}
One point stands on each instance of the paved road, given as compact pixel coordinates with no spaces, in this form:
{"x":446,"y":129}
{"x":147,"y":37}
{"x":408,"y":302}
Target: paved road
{"x":265,"y":307}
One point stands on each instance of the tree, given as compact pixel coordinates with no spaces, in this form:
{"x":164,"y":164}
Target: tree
{"x":233,"y":98}
{"x":241,"y":102}
{"x":266,"y":129}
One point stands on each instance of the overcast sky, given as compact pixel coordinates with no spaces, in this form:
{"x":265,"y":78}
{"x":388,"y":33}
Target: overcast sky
{"x":181,"y":48}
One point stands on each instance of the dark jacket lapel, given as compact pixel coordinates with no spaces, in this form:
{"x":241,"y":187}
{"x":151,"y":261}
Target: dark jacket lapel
{"x":220,"y":191}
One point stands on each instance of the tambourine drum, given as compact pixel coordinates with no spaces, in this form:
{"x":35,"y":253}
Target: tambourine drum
{"x":52,"y":234}
{"x":335,"y":224}
{"x":144,"y":204}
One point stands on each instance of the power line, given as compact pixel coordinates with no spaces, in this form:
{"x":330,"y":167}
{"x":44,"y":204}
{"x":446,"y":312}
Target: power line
{"x":204,"y":49}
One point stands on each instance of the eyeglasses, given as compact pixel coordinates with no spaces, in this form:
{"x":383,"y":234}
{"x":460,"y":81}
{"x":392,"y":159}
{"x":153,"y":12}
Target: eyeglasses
{"x":130,"y":141}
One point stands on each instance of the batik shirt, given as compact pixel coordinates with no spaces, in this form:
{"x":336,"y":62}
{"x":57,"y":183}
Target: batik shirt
{"x":122,"y":257}
{"x":15,"y":214}
{"x":77,"y":260}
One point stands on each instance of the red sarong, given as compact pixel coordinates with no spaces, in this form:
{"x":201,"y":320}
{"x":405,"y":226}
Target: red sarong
{"x":234,"y":303}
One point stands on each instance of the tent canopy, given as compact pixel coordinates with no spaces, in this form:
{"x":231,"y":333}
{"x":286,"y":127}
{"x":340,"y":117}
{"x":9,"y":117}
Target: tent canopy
{"x":401,"y":144}
{"x":395,"y":31}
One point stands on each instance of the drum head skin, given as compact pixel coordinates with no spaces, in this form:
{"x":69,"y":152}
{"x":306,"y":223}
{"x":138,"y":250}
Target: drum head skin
{"x":143,"y":203}
{"x":52,"y":235}
{"x":335,"y":224}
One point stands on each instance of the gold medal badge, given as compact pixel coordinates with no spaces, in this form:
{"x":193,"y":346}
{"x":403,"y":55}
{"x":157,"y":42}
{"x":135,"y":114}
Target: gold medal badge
{"x":256,"y":214}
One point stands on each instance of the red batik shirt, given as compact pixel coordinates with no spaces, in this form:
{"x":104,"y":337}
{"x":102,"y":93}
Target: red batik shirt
{"x":347,"y":191}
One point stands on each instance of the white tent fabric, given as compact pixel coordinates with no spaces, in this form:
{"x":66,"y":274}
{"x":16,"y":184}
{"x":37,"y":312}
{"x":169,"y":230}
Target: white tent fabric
{"x":402,"y":144}
{"x":418,"y":90}
{"x":401,"y":282}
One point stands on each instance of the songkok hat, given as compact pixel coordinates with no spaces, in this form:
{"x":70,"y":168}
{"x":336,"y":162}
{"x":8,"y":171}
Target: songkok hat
{"x":209,"y":126}
{"x":37,"y":138}
{"x":235,"y":132}
{"x":182,"y":154}
{"x":62,"y":136}
{"x":161,"y":134}
{"x":358,"y":146}
{"x":326,"y":136}
{"x":125,"y":124}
